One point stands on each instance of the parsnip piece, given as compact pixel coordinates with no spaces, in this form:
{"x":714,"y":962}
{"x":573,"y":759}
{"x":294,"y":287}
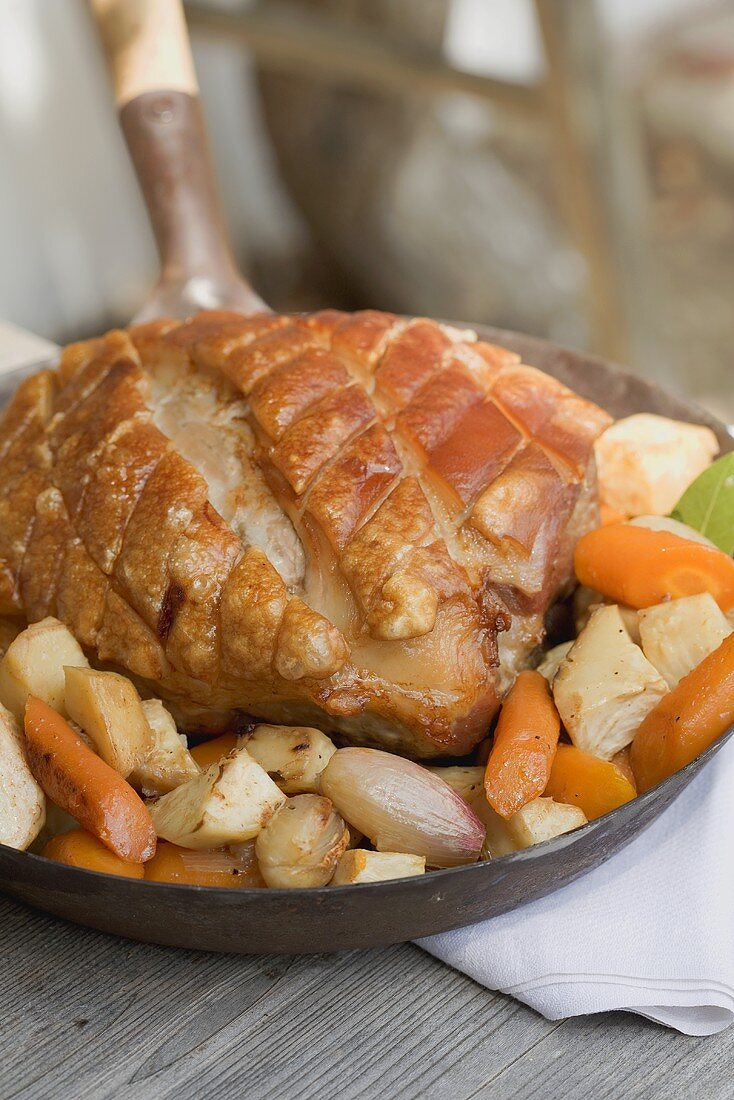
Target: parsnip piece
{"x":22,"y":802}
{"x":466,"y":780}
{"x":34,"y":665}
{"x":498,"y":840}
{"x":539,"y":820}
{"x":228,"y":803}
{"x":646,"y":462}
{"x":543,"y":819}
{"x":551,"y":662}
{"x":167,"y":762}
{"x":108,"y":709}
{"x":359,"y":865}
{"x":293,"y":756}
{"x":677,"y":635}
{"x":605,"y":686}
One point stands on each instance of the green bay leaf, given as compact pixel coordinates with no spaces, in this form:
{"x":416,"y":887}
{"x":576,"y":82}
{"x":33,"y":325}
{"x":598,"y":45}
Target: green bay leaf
{"x":708,"y":504}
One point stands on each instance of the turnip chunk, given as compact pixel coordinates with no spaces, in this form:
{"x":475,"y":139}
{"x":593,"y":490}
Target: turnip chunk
{"x":402,"y":807}
{"x":678,"y":634}
{"x":605,"y":686}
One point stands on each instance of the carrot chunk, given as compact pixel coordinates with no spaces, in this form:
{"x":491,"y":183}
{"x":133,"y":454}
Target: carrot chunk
{"x":206,"y":867}
{"x":525,"y":743}
{"x":686,"y":720}
{"x":580,"y":779}
{"x":79,"y":848}
{"x":80,"y":782}
{"x":211,"y":752}
{"x":639,"y":567}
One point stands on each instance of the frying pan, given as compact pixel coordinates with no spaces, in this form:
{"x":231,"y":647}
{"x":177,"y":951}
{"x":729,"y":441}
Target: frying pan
{"x":161,"y":118}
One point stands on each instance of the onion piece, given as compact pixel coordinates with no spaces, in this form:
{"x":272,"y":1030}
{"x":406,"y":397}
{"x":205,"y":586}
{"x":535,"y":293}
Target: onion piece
{"x":402,"y":807}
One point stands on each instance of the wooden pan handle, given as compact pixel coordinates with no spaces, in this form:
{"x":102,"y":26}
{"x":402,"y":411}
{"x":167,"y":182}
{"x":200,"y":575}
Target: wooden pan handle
{"x":149,"y":56}
{"x":147,"y":47}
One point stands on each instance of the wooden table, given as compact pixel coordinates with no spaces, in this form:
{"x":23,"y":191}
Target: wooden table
{"x":83,"y":1015}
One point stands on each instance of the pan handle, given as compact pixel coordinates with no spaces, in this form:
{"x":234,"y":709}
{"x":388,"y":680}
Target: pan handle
{"x":149,"y":56}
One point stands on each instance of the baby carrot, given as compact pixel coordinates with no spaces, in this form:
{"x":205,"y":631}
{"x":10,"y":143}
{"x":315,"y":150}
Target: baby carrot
{"x":524,"y":745}
{"x":639,"y":567}
{"x":686,"y":720}
{"x":80,"y":782}
{"x":79,"y":848}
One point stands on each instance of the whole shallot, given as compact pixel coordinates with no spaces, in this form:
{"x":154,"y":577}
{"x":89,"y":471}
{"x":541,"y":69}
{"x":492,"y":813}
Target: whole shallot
{"x":402,"y":807}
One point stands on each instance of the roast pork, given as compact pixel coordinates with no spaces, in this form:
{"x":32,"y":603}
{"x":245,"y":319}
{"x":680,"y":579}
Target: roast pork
{"x":349,"y":521}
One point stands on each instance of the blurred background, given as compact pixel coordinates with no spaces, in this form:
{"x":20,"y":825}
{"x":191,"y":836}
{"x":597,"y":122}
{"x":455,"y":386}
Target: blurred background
{"x":563,"y":167}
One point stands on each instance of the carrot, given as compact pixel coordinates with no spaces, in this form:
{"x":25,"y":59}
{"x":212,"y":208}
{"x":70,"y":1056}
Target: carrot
{"x":608,"y":515}
{"x":207,"y":867}
{"x":211,"y":752}
{"x":580,"y":779}
{"x":524,"y":745}
{"x":80,"y":849}
{"x":639,"y":567}
{"x":78,"y":781}
{"x":686,"y":720}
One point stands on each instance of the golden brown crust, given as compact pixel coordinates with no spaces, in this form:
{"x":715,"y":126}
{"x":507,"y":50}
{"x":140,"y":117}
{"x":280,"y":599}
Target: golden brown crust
{"x":427,"y":482}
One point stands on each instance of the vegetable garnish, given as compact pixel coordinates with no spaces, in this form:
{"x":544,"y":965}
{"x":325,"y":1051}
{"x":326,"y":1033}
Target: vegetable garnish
{"x":638,"y":567}
{"x":580,"y":779}
{"x":708,"y":503}
{"x":78,"y":781}
{"x":524,"y":745}
{"x":686,"y":720}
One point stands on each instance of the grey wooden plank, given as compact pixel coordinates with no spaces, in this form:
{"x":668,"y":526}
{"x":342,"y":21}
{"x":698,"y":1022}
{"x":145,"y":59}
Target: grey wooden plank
{"x":617,"y":1054}
{"x":85,"y":1015}
{"x":91,"y":1016}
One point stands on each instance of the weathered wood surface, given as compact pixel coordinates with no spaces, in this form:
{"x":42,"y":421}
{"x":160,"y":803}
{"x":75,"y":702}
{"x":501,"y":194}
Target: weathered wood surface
{"x":86,"y":1016}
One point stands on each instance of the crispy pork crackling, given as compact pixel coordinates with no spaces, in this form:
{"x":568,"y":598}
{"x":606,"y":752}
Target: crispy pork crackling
{"x":350,"y":521}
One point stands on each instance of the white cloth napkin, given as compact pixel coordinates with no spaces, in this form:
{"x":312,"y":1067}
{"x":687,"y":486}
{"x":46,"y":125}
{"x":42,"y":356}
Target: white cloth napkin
{"x":650,"y":931}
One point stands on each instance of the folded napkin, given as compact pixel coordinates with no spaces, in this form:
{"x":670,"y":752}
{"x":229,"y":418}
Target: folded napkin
{"x":650,"y":931}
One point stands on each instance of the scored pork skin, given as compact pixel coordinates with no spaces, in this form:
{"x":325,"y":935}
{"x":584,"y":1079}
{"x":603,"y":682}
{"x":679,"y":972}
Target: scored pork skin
{"x":352,"y":521}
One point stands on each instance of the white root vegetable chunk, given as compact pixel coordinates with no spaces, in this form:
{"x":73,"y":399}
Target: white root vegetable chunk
{"x":34,"y":665}
{"x":301,"y":843}
{"x":539,"y":820}
{"x":551,"y":662}
{"x":678,"y":634}
{"x":22,"y":802}
{"x":402,"y":807}
{"x":108,"y":709}
{"x":359,"y":865}
{"x":167,"y":763}
{"x":605,"y":686}
{"x":228,"y":803}
{"x":585,"y":603}
{"x":646,"y":462}
{"x":542,"y":819}
{"x":466,"y":780}
{"x":293,"y":756}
